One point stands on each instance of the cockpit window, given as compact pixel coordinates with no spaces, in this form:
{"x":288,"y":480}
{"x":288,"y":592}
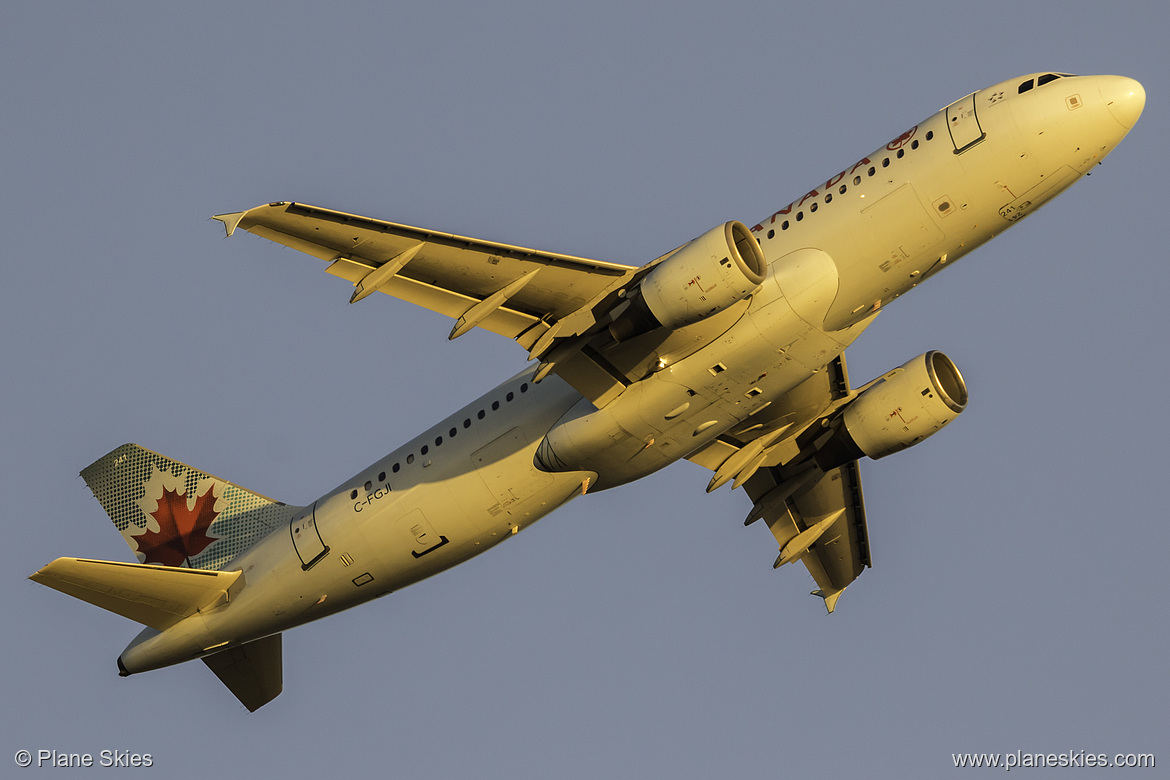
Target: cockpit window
{"x":1047,"y":78}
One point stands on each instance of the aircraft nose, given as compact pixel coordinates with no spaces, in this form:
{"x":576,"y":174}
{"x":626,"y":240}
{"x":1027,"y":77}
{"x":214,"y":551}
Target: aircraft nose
{"x":1125,"y":97}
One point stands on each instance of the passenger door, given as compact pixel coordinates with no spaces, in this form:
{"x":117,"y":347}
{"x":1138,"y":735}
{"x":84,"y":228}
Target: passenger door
{"x":306,"y":538}
{"x":963,"y":123}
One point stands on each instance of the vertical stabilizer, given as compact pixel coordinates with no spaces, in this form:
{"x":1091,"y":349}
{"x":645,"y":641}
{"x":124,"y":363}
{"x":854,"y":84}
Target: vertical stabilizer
{"x":174,"y":515}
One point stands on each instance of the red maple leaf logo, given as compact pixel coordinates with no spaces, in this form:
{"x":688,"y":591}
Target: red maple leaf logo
{"x":182,"y":531}
{"x":902,"y":140}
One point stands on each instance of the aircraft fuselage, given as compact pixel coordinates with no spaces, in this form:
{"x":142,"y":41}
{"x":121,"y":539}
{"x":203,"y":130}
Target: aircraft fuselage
{"x":836,"y":255}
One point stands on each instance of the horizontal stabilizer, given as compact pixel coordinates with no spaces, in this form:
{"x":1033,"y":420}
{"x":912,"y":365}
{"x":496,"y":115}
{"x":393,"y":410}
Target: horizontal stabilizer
{"x":156,"y":596}
{"x":253,"y":672}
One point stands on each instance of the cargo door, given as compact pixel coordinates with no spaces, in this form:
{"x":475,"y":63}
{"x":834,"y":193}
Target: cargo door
{"x":423,"y":537}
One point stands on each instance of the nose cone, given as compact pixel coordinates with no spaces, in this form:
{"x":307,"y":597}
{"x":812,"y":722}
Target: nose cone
{"x":1125,"y":97}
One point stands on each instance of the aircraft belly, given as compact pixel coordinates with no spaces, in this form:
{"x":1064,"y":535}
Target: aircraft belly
{"x":685,"y":406}
{"x":505,"y":468}
{"x":444,"y":523}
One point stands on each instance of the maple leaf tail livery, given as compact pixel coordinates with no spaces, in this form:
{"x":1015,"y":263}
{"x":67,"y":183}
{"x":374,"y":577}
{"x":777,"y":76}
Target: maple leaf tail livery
{"x":175,"y":515}
{"x":727,"y":351}
{"x":172,"y":515}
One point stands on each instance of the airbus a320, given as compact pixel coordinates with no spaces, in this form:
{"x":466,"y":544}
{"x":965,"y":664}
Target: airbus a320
{"x":727,"y":351}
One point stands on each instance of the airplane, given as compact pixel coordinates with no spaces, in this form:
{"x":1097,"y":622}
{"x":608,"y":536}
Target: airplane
{"x":727,"y":351}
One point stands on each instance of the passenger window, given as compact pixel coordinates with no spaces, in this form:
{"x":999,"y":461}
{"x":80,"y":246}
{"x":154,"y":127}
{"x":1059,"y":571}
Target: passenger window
{"x":382,"y":477}
{"x":395,"y":468}
{"x":410,"y":458}
{"x":509,"y":397}
{"x":495,"y":406}
{"x":451,"y":433}
{"x":424,"y":450}
{"x":467,"y":423}
{"x":480,"y":414}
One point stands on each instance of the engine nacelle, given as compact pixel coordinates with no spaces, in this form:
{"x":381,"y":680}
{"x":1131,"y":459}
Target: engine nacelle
{"x":716,"y":270}
{"x":909,"y":404}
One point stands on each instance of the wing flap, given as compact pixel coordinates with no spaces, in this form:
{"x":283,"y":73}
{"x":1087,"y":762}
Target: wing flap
{"x":504,"y":320}
{"x":816,"y":517}
{"x":448,"y":273}
{"x":840,"y":551}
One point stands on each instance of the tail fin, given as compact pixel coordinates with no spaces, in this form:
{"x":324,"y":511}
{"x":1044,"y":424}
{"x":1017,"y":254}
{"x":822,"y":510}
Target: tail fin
{"x":175,"y":515}
{"x":156,"y":596}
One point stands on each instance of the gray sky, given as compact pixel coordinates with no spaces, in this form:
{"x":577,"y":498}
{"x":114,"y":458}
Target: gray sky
{"x":1017,"y":599}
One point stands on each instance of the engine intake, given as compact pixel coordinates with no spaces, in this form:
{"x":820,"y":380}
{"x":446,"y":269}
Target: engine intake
{"x":718,"y":269}
{"x":908,"y":405}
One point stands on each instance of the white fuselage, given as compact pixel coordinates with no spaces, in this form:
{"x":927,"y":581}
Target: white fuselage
{"x":836,"y":256}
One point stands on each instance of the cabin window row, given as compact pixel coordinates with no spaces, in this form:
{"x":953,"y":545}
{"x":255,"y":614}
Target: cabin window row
{"x":451,"y":434}
{"x":885,"y":163}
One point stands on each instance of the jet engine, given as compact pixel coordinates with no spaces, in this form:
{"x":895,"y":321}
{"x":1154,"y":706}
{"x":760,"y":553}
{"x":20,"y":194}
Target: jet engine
{"x":907,"y":405}
{"x":716,"y":270}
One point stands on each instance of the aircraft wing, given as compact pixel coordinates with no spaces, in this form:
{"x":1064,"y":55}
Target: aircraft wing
{"x":817,"y":517}
{"x":517,"y":292}
{"x":830,"y":511}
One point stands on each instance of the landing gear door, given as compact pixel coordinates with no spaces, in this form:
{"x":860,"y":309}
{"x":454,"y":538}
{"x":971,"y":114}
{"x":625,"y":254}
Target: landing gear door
{"x":963,"y":123}
{"x":306,"y":538}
